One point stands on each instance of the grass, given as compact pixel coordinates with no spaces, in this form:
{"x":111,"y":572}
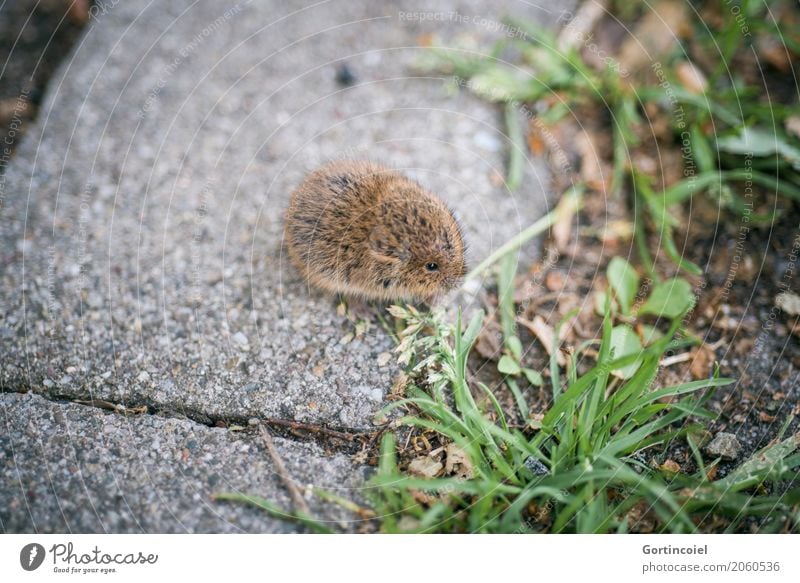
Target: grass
{"x":578,"y":469}
{"x":597,"y":460}
{"x":731,"y":136}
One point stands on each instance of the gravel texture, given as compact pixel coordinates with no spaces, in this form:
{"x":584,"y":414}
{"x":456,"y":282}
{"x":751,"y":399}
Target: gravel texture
{"x":72,"y":468}
{"x":141,"y":238}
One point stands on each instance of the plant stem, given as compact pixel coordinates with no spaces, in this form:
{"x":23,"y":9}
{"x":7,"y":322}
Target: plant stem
{"x":535,"y":229}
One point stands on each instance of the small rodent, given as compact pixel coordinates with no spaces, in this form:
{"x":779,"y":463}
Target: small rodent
{"x":366,"y":231}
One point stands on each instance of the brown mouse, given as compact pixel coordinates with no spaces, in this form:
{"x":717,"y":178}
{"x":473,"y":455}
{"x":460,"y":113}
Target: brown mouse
{"x":366,"y":231}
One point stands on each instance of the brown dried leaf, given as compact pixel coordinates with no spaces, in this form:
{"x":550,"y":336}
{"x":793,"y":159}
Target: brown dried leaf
{"x":489,"y":344}
{"x":640,"y":518}
{"x":656,"y":34}
{"x":568,"y":206}
{"x":691,"y":77}
{"x":774,"y":52}
{"x":555,"y":280}
{"x":425,"y":466}
{"x":535,"y":141}
{"x":702,"y":360}
{"x":670,"y":466}
{"x":579,"y":28}
{"x":545,"y":334}
{"x":399,"y":385}
{"x":426,"y":39}
{"x":78,"y":11}
{"x":457,"y":462}
{"x":593,"y":151}
{"x":792,"y":125}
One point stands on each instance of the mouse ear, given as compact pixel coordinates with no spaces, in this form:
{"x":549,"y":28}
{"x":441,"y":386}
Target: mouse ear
{"x":384,"y":246}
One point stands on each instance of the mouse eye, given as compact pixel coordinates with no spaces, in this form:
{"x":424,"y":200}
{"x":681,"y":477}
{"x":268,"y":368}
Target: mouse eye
{"x":432,"y":266}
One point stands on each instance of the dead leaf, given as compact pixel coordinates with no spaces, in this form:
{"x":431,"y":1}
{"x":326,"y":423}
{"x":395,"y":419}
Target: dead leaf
{"x":488,"y":344}
{"x":16,"y":107}
{"x":594,"y":171}
{"x":399,"y":385}
{"x":655,"y":35}
{"x":670,"y":466}
{"x":425,"y":466}
{"x":567,"y":207}
{"x":545,"y":334}
{"x":788,"y":302}
{"x":702,"y":359}
{"x":496,"y":179}
{"x":426,"y":39}
{"x":579,"y":28}
{"x":540,"y":514}
{"x":792,"y":125}
{"x":640,"y":518}
{"x":773,"y":51}
{"x":408,"y":523}
{"x":692,"y":78}
{"x":457,"y":462}
{"x":555,"y":280}
{"x":78,"y":12}
{"x":535,"y":141}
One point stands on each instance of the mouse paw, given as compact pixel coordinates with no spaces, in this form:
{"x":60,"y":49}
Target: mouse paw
{"x":358,"y":309}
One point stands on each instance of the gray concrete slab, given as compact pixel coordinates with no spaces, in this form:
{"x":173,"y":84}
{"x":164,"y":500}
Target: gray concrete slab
{"x":141,"y":254}
{"x":141,"y":221}
{"x":72,"y":468}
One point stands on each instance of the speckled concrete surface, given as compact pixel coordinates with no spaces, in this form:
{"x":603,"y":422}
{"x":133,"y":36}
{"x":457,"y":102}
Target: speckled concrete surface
{"x":141,"y":234}
{"x":72,"y":468}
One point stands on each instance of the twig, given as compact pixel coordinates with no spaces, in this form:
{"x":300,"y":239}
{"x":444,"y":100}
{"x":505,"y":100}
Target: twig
{"x":577,"y":30}
{"x":670,"y":360}
{"x":311,"y":428}
{"x":516,"y":164}
{"x":294,"y":493}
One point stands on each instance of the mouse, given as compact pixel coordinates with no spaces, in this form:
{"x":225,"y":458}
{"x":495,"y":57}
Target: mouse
{"x":367,"y":232}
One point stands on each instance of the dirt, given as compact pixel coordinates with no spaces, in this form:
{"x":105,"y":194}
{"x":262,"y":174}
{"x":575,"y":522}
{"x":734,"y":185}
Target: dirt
{"x":35,"y":35}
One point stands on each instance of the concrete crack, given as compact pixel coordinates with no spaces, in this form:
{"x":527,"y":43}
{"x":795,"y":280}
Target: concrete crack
{"x":336,"y":439}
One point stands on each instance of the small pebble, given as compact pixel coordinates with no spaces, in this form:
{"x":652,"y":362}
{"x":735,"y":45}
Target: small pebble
{"x":537,"y":467}
{"x":724,"y":445}
{"x":344,"y":76}
{"x":251,"y":387}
